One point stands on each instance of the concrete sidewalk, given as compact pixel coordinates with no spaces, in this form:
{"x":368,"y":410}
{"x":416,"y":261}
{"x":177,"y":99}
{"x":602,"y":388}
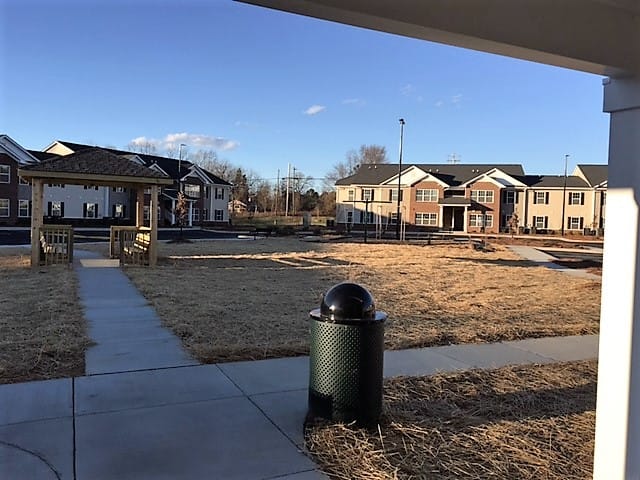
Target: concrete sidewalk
{"x":534,"y":255}
{"x":239,"y":420}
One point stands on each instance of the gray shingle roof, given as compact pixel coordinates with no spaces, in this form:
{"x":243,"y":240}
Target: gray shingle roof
{"x":450,"y":174}
{"x":554,"y":181}
{"x":95,"y":161}
{"x":595,"y":174}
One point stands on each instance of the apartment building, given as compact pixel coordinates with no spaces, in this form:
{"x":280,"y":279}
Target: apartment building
{"x":472,"y":198}
{"x":207,"y":195}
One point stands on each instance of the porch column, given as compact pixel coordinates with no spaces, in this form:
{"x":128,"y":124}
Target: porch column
{"x":191,"y":214}
{"x":153,"y":224}
{"x":465,"y":220}
{"x":617,"y":446}
{"x":36,"y":220}
{"x":441,"y":218}
{"x":173,"y":212}
{"x":140,"y":206}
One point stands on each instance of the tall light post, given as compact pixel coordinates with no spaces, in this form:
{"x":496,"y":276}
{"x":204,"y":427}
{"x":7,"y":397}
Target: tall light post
{"x":564,"y":192}
{"x":399,"y":182}
{"x":180,"y":165}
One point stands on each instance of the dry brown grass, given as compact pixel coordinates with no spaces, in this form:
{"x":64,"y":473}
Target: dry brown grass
{"x":527,"y":422}
{"x":251,"y":299}
{"x":42,"y":331}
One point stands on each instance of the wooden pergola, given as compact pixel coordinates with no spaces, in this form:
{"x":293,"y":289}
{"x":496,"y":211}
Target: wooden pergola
{"x":95,"y":167}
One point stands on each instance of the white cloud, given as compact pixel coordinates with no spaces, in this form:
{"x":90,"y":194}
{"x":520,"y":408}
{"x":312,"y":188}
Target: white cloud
{"x":358,"y":102}
{"x":173,"y":140}
{"x":439,"y":103}
{"x":456,"y":99}
{"x":314,"y":109}
{"x":407,"y":90}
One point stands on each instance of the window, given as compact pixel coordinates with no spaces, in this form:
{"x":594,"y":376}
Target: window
{"x":350,"y":217}
{"x":147,"y":191}
{"x":575,"y":223}
{"x":541,"y":222}
{"x":482,"y":196}
{"x":427,"y":219}
{"x":351,"y":195}
{"x":393,"y":195}
{"x":90,"y":187}
{"x":90,"y":210}
{"x":4,"y":207}
{"x":5,"y":174}
{"x":218,"y":215}
{"x":205,"y":214}
{"x":510,"y":197}
{"x":55,"y":209}
{"x":541,"y":197}
{"x":119,"y":189}
{"x":481,"y":220}
{"x":24,"y":209}
{"x":118,"y":210}
{"x":191,"y":190}
{"x":367,"y":194}
{"x":393,"y":218}
{"x":576,"y":198}
{"x":219,"y":193}
{"x":58,"y":185}
{"x":22,"y":181}
{"x":145,"y":213}
{"x":369,"y":218}
{"x":207,"y":192}
{"x":195,"y":214}
{"x":426,"y":195}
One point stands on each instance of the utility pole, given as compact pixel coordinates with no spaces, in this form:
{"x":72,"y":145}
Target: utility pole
{"x":399,"y":182}
{"x":277,"y":193}
{"x":564,"y":192}
{"x":286,"y":201}
{"x":180,"y":165}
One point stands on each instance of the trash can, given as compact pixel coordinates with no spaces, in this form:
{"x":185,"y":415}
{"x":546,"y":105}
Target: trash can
{"x":346,"y":357}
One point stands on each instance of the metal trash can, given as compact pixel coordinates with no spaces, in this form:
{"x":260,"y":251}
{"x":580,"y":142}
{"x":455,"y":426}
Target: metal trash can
{"x":346,"y":357}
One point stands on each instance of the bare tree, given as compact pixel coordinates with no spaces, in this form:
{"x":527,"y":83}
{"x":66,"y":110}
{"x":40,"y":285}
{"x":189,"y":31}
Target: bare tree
{"x":148,"y":148}
{"x":209,"y":160}
{"x":181,"y":211}
{"x":513,"y":224}
{"x":367,"y":154}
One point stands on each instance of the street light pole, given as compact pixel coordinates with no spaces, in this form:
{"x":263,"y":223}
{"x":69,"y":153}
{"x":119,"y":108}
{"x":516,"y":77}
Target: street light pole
{"x":564,"y":192}
{"x":399,"y":182}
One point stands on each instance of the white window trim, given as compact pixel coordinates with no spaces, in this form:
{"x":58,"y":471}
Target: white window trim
{"x":476,"y":219}
{"x":6,"y":174}
{"x":424,"y":195}
{"x":486,"y":194}
{"x":20,"y":206}
{"x":8,"y":207}
{"x":427,"y":219}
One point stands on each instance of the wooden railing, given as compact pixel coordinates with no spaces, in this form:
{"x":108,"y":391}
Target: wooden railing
{"x":56,"y":244}
{"x":130,"y":245}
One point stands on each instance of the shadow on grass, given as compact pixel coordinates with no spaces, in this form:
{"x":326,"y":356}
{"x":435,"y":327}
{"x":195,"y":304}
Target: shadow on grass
{"x":490,"y":261}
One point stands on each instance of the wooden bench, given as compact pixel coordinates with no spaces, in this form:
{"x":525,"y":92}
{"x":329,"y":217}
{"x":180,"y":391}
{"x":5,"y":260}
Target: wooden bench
{"x":134,"y":246}
{"x":56,"y":244}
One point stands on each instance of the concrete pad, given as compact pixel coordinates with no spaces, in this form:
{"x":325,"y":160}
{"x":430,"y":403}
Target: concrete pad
{"x":26,"y":402}
{"x":37,"y":450}
{"x":226,"y":438}
{"x":126,"y":356}
{"x":266,"y":376}
{"x":287,"y":410}
{"x":106,"y":393}
{"x":124,"y":313}
{"x":417,"y":362}
{"x":100,"y":263}
{"x":103,"y":332}
{"x":493,"y":355}
{"x":563,"y":349}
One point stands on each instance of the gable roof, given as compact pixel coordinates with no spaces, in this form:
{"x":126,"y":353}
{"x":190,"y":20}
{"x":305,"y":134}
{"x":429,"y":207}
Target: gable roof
{"x":15,"y":151}
{"x":595,"y":174}
{"x":554,"y":181}
{"x":451,"y":174}
{"x":174,"y":168}
{"x":93,"y":162}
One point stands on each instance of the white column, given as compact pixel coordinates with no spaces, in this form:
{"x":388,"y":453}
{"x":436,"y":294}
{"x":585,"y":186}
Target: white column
{"x":153,"y":224}
{"x":106,"y":211}
{"x":617,"y":448}
{"x":191,"y":214}
{"x":173,"y":212}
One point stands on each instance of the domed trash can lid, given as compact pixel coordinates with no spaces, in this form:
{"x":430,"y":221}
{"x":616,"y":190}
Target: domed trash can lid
{"x":348,"y":303}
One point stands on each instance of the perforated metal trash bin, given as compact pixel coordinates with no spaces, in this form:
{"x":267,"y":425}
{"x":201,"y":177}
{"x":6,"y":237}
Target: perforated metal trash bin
{"x":346,"y":356}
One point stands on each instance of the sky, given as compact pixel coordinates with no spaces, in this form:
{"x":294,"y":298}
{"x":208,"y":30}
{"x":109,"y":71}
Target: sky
{"x":266,"y":89}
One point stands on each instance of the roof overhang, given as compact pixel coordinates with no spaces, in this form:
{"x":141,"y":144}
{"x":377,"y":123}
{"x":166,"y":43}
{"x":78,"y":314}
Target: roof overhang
{"x":92,"y":179}
{"x":595,"y":36}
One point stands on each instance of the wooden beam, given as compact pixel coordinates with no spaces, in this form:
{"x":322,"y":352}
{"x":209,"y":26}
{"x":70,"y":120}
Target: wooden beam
{"x":91,"y":179}
{"x":36,"y":221}
{"x":153,"y":223}
{"x":140,"y":207}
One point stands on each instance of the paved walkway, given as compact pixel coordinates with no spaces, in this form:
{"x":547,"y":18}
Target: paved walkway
{"x":159,"y":416}
{"x":544,"y":259}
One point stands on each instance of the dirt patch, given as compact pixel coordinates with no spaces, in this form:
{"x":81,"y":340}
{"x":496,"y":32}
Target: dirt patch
{"x":238,"y":300}
{"x":42,"y":331}
{"x":514,"y":422}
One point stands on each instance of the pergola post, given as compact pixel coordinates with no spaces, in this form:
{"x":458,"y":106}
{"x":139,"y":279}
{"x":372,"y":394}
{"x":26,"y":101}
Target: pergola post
{"x":36,"y":220}
{"x":617,"y":445}
{"x":140,"y":206}
{"x":153,"y":223}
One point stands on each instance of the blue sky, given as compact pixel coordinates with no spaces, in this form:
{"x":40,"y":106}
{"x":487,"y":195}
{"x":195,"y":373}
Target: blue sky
{"x":267,"y":88}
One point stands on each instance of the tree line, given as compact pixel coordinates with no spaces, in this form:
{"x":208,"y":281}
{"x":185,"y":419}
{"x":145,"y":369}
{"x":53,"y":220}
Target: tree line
{"x":292,"y":195}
